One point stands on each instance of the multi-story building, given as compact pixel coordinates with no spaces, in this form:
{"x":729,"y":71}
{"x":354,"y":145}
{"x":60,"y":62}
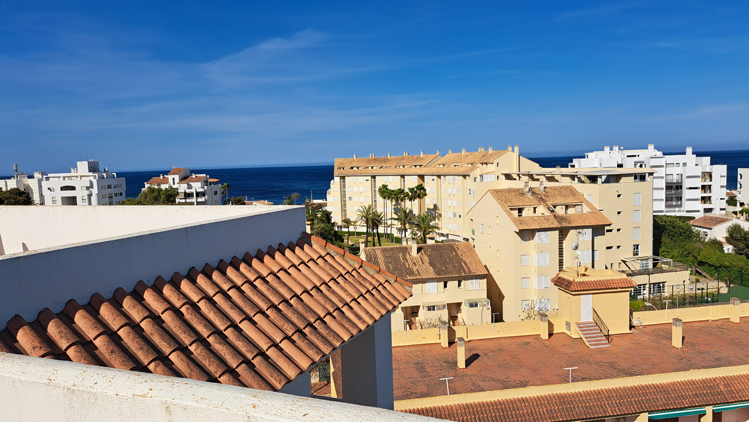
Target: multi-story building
{"x":453,"y":183}
{"x":742,"y":193}
{"x":449,"y":283}
{"x":196,"y":189}
{"x":22,"y":181}
{"x":682,"y":185}
{"x":86,"y":184}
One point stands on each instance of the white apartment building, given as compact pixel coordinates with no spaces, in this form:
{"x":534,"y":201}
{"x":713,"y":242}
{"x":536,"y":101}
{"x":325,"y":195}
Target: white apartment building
{"x":86,"y":184}
{"x":21,"y":180}
{"x":682,"y":185}
{"x":743,"y":193}
{"x":196,"y":189}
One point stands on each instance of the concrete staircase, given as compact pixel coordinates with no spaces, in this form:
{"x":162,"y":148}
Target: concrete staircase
{"x":592,"y":335}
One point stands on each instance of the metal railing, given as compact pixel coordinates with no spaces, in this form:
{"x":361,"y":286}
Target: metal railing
{"x":675,"y":267}
{"x":601,"y":325}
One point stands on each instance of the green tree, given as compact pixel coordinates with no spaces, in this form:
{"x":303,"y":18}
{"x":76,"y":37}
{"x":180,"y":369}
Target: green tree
{"x":376,"y":221}
{"x":225,"y":188}
{"x":419,"y":193}
{"x":322,"y":226}
{"x":295,"y":197}
{"x":153,"y":195}
{"x":347,"y":223}
{"x":424,"y":226}
{"x":237,"y":200}
{"x":15,"y":196}
{"x":386,"y":194}
{"x":738,"y":237}
{"x":405,"y":219}
{"x":364,"y":215}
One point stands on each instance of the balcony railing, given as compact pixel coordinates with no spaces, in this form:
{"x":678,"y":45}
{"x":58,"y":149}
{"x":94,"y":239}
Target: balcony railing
{"x":673,"y":204}
{"x":659,"y":269}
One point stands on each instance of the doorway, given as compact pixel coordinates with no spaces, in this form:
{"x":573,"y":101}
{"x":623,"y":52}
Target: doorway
{"x":586,"y":308}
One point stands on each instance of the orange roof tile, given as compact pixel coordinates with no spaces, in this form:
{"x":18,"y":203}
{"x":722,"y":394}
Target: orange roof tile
{"x":435,"y":261}
{"x":709,"y":221}
{"x":158,"y":181}
{"x":258,"y":321}
{"x":599,"y":404}
{"x":175,"y":171}
{"x":193,"y":179}
{"x":590,"y":279}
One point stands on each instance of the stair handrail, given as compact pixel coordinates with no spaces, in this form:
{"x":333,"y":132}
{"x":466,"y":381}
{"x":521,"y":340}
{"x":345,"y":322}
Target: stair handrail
{"x":601,"y":325}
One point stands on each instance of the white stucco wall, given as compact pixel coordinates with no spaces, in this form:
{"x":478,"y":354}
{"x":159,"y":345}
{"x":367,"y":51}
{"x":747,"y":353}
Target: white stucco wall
{"x":48,"y":277}
{"x":35,"y":389}
{"x":37,"y":227}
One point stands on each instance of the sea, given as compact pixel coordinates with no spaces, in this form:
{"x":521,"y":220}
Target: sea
{"x":313,"y":181}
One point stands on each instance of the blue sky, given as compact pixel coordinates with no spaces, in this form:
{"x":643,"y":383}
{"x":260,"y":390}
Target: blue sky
{"x":150,"y":85}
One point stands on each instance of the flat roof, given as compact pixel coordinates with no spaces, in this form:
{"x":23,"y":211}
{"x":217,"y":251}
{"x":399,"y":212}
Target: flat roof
{"x":505,"y":363}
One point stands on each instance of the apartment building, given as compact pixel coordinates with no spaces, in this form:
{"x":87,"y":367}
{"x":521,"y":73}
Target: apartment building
{"x":449,"y":283}
{"x":453,"y":183}
{"x":682,"y":185}
{"x":196,"y":189}
{"x":742,"y":193}
{"x":22,"y":181}
{"x":86,"y":184}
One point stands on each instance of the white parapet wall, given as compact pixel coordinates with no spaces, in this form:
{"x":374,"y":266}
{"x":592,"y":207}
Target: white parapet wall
{"x":49,"y":275}
{"x":36,"y":389}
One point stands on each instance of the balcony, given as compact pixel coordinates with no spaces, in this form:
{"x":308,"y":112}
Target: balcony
{"x":649,"y":265}
{"x":673,"y":204}
{"x":673,"y":178}
{"x":674,"y":191}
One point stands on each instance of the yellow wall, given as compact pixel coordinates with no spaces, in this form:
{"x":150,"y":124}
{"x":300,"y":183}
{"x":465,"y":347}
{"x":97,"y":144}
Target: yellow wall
{"x":699,"y":313}
{"x":476,"y":332}
{"x":612,"y":306}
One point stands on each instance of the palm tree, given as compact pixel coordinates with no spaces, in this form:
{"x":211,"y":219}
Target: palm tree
{"x":364,"y":215}
{"x":225,"y":188}
{"x":347,"y":223}
{"x":295,"y":197}
{"x":411,"y":196}
{"x":420,"y":192}
{"x":424,"y":225}
{"x":375,"y":222}
{"x":405,"y":218}
{"x":386,"y":194}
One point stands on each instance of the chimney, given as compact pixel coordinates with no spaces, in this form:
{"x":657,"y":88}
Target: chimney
{"x":422,"y":153}
{"x":509,"y":147}
{"x":354,"y":156}
{"x":405,"y":154}
{"x":444,"y":339}
{"x":438,"y":152}
{"x":541,"y":186}
{"x":388,"y":155}
{"x":490,"y":148}
{"x":464,"y":151}
{"x":371,"y":155}
{"x":449,"y":151}
{"x":414,"y":248}
{"x":461,"y":353}
{"x":735,"y":309}
{"x":517,"y":158}
{"x":689,"y":150}
{"x":651,"y":147}
{"x":544,"y":326}
{"x":677,"y":340}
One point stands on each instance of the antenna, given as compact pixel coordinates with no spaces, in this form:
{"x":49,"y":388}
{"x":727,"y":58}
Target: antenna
{"x":447,"y":383}
{"x":570,"y":369}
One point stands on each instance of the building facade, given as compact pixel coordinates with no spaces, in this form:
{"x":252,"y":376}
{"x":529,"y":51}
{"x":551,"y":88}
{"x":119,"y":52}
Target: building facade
{"x":22,"y":181}
{"x":196,"y":189}
{"x":742,"y":192}
{"x":86,"y":184}
{"x":449,"y":283}
{"x":682,"y":184}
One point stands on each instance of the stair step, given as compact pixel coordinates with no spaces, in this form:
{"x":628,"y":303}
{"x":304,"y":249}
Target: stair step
{"x":603,"y":345}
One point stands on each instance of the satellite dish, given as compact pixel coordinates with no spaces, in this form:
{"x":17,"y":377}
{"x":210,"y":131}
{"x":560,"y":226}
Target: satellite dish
{"x":575,"y":245}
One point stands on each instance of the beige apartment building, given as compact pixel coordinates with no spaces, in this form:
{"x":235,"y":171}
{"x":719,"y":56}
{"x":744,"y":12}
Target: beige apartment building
{"x":449,"y":284}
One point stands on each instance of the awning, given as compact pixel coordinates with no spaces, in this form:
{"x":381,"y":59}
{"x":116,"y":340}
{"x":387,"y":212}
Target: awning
{"x":677,"y":413}
{"x":425,"y":304}
{"x":726,"y":407}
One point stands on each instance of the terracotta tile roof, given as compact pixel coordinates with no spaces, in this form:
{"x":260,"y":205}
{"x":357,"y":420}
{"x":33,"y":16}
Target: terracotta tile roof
{"x":175,"y":171}
{"x":193,"y":179}
{"x":709,"y":221}
{"x":435,"y":261}
{"x":398,"y":164}
{"x":590,"y":279}
{"x":158,"y":181}
{"x":257,"y":321}
{"x":600,"y":404}
{"x":214,"y":180}
{"x":552,"y":196}
{"x":469,"y":159}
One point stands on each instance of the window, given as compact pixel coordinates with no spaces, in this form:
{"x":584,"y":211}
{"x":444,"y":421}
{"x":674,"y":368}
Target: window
{"x":525,"y":237}
{"x":54,"y":200}
{"x":541,"y":259}
{"x":520,"y":212}
{"x":586,"y":234}
{"x":543,"y":282}
{"x":482,"y":229}
{"x":635,"y":250}
{"x":525,"y":260}
{"x":83,"y":199}
{"x":595,"y":255}
{"x":474,"y":284}
{"x":578,"y":209}
{"x":472,"y":304}
{"x":590,"y":198}
{"x":525,"y":282}
{"x":433,"y":308}
{"x":431,"y":287}
{"x":636,"y":200}
{"x":460,"y":284}
{"x":542,"y":237}
{"x":636,"y":216}
{"x":618,"y":195}
{"x":618,"y":213}
{"x":636,"y":233}
{"x":444,"y":285}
